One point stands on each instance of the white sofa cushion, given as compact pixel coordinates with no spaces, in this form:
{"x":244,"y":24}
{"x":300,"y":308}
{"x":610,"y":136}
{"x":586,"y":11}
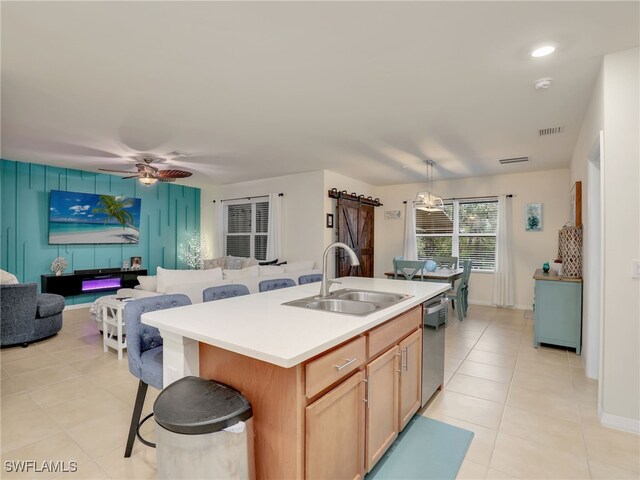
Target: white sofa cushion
{"x":270,"y":270}
{"x":167,"y":278}
{"x":7,"y":278}
{"x":298,"y":266}
{"x":148,"y":282}
{"x":242,"y":273}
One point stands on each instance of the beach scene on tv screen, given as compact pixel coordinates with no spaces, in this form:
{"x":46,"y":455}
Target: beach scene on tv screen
{"x":90,"y":218}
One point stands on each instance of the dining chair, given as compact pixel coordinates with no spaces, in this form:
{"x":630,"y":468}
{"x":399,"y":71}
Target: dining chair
{"x":275,"y":284}
{"x":395,"y":259}
{"x":446,"y":262}
{"x":144,"y":352}
{"x":212,"y":294}
{"x":311,"y":278}
{"x":408,"y":269}
{"x":460,"y":293}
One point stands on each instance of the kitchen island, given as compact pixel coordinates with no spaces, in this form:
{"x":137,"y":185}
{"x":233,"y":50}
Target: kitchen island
{"x":305,"y":371}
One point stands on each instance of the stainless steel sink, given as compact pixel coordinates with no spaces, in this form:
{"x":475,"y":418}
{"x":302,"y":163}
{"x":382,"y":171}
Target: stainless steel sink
{"x":350,"y":301}
{"x":342,"y":306}
{"x":375,"y":297}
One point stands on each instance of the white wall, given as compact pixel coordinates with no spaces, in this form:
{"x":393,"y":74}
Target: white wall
{"x":621,"y":171}
{"x":530,"y":249}
{"x":302,"y":211}
{"x":588,"y":140}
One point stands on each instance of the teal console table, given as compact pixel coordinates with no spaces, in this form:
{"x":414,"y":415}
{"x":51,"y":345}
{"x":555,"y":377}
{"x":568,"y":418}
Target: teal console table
{"x":558,"y":305}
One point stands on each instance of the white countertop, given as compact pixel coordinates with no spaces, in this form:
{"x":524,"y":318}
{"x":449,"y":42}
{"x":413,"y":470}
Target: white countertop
{"x":259,"y":326}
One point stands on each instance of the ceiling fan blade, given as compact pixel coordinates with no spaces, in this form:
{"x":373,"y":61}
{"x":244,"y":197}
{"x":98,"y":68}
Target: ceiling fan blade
{"x":166,"y":180}
{"x":132,"y":176}
{"x":116,"y":171}
{"x":173,"y":174}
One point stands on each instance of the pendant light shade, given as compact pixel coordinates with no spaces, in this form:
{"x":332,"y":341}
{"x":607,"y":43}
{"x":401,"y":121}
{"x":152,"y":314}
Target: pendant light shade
{"x":428,"y":201}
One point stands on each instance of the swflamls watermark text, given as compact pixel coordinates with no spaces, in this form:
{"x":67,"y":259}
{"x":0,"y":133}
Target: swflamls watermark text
{"x":41,"y":466}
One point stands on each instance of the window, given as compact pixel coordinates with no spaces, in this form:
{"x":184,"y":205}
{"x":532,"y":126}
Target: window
{"x":466,"y":230}
{"x":246,"y":227}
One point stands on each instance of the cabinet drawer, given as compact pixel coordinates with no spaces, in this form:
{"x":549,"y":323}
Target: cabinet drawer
{"x":331,"y":367}
{"x":389,"y":333}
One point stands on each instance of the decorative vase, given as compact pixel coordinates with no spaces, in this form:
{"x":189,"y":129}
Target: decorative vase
{"x":545,"y":267}
{"x":58,"y":273}
{"x":430,"y":266}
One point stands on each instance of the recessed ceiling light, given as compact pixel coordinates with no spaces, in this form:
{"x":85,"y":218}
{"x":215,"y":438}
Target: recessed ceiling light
{"x":543,"y":51}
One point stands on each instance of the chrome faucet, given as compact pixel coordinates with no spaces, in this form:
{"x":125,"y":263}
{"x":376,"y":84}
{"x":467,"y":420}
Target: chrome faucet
{"x":326,"y":283}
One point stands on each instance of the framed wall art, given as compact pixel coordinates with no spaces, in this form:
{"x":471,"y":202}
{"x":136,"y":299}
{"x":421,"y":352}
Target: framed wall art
{"x":329,"y":220}
{"x":576,"y":204}
{"x":533,"y":217}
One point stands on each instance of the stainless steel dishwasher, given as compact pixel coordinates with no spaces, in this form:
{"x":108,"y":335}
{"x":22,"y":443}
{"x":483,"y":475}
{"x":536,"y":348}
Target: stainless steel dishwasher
{"x":435,"y":314}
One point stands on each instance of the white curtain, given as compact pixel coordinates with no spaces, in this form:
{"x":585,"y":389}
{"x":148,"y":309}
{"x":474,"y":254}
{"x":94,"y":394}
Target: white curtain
{"x":274,"y":238}
{"x":503,"y":277}
{"x":410,"y":243}
{"x":219,"y":232}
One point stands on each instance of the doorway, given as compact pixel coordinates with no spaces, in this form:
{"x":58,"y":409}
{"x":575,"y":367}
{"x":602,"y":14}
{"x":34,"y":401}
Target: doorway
{"x":355,"y":228}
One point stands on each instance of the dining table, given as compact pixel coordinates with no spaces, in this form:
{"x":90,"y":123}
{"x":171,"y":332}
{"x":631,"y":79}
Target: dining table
{"x":448,"y":275}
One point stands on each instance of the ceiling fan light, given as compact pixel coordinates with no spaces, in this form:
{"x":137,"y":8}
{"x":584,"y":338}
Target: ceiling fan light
{"x":148,"y":180}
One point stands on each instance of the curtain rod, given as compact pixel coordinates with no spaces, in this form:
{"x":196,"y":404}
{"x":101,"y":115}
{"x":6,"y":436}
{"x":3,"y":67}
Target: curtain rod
{"x":247,"y":198}
{"x":509,"y":195}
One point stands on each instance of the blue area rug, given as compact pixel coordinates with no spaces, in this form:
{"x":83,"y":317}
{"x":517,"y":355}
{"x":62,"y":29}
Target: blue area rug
{"x":426,"y":449}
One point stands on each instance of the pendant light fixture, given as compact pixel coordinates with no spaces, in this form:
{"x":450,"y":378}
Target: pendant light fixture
{"x":428,"y":201}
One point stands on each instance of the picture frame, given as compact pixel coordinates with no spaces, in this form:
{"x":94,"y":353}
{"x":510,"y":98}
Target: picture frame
{"x":136,"y":263}
{"x":329,"y":220}
{"x":533,"y":217}
{"x":576,"y":204}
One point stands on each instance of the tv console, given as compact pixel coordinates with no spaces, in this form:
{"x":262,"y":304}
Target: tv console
{"x":90,"y":281}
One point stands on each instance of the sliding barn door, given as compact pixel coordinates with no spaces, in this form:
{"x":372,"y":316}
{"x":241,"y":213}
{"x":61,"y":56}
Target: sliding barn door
{"x":355,"y":228}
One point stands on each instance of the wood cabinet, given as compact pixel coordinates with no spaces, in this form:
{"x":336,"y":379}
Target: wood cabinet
{"x":335,"y":432}
{"x":382,"y":404}
{"x":335,"y":415}
{"x":558,"y":310}
{"x":410,"y":373}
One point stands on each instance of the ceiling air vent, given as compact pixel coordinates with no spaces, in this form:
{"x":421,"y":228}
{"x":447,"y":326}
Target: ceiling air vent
{"x":505,"y":161}
{"x":550,"y":131}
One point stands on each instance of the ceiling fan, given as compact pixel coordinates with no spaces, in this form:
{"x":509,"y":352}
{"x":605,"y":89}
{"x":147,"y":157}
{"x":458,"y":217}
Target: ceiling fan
{"x":148,"y":174}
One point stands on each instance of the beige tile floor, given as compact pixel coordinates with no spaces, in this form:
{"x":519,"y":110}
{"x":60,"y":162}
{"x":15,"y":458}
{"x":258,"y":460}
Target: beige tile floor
{"x":533,"y":412}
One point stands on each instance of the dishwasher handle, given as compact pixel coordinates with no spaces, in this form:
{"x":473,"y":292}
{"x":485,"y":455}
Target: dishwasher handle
{"x":443,"y":303}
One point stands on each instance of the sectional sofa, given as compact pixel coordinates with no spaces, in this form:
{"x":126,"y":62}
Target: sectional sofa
{"x":193,"y":282}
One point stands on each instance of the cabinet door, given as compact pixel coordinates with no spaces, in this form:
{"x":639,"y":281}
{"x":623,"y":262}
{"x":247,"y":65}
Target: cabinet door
{"x":335,"y":432}
{"x":410,"y":376}
{"x":382,"y":404}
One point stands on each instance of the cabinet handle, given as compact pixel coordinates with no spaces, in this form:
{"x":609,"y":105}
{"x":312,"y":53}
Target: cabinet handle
{"x":403,"y":362}
{"x":406,"y":358}
{"x":345,"y":365}
{"x":368,"y":393}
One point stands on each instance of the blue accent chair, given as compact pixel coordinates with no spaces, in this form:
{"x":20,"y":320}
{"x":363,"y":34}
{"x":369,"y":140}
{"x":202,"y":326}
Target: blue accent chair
{"x":26,"y":316}
{"x":144,"y":351}
{"x":268,"y":285}
{"x":212,"y":294}
{"x":313,"y":278}
{"x":461,"y":292}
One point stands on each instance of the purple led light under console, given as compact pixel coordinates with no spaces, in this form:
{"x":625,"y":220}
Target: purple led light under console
{"x":101,"y":283}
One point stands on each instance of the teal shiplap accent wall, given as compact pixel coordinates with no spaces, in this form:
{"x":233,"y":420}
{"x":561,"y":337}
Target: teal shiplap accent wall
{"x":168,"y":214}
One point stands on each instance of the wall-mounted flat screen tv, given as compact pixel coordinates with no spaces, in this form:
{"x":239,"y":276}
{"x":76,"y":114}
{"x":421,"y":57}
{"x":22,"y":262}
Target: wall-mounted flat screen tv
{"x":77,"y":218}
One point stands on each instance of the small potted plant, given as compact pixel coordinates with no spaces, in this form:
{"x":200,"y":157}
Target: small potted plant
{"x":556,"y":265}
{"x":58,"y":266}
